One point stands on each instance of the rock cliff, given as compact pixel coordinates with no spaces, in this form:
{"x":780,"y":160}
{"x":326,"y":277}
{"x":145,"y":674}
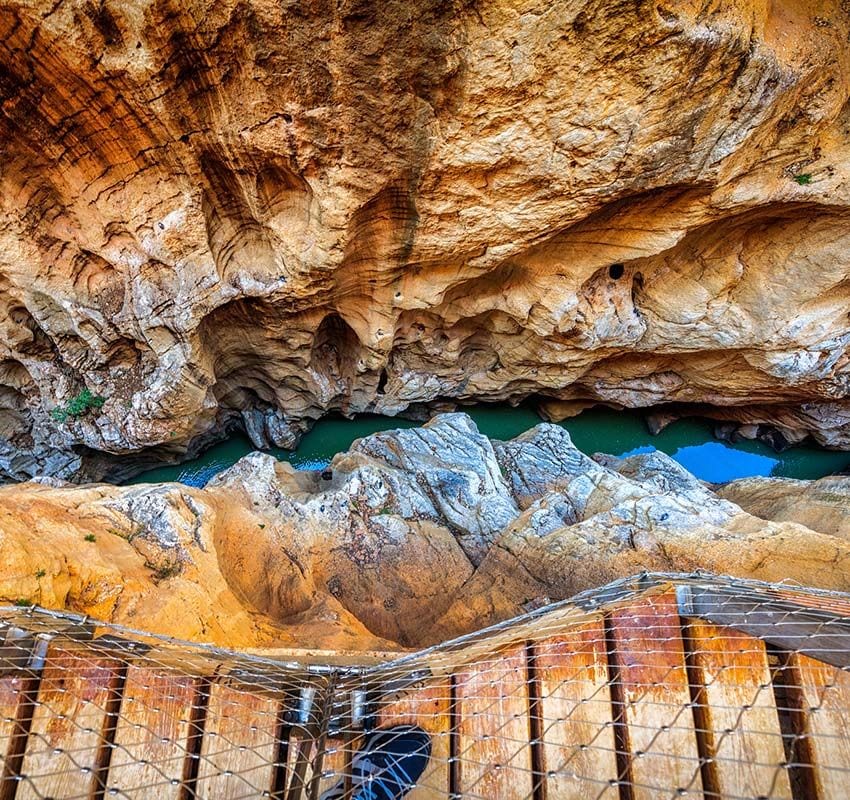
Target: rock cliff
{"x":410,"y":537}
{"x":248,"y":214}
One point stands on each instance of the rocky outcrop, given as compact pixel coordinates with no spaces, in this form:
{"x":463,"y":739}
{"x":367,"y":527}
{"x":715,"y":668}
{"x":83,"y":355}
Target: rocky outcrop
{"x":249,"y":214}
{"x":409,"y":537}
{"x":152,"y":558}
{"x":822,"y":505}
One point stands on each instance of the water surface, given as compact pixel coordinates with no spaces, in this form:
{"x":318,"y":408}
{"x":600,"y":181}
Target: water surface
{"x":688,"y":441}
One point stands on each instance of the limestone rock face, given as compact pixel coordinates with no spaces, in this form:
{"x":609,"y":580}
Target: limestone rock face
{"x":393,"y":529}
{"x":247,"y":214}
{"x":410,"y":537}
{"x":822,"y":505}
{"x":151,"y":558}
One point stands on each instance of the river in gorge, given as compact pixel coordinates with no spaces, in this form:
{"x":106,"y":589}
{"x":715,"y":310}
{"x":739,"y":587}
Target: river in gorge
{"x":689,"y":441}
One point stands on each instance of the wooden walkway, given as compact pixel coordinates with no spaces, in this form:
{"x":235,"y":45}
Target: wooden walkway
{"x":639,"y":696}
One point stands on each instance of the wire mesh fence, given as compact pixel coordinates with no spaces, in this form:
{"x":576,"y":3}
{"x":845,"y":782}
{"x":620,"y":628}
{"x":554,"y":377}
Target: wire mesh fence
{"x":658,"y":686}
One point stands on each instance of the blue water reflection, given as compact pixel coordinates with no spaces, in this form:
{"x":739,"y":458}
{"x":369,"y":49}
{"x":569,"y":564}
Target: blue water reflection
{"x":690,"y":442}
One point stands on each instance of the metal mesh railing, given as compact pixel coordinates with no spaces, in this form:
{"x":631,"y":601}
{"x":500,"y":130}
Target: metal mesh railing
{"x":655,"y":686}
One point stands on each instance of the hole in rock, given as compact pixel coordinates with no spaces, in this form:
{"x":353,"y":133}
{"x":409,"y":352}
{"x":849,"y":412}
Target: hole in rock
{"x":382,"y":381}
{"x":615,"y":271}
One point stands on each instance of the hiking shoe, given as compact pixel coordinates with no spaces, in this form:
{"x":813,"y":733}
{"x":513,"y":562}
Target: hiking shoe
{"x":388,"y":765}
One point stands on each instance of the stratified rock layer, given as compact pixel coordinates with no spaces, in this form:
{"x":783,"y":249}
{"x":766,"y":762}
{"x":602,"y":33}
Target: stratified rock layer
{"x":822,"y":505}
{"x":410,"y":537}
{"x":156,"y":558}
{"x":248,"y":214}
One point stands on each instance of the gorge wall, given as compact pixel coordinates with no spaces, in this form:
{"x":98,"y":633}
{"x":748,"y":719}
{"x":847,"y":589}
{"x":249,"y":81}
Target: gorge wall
{"x":409,"y":538}
{"x":218,"y":213}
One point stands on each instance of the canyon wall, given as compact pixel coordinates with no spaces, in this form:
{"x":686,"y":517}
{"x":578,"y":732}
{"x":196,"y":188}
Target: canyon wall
{"x":219,"y":214}
{"x":409,"y":538}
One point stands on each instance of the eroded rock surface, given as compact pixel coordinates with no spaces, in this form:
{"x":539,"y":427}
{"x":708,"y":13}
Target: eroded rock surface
{"x":822,"y":505}
{"x":248,"y":214}
{"x":410,"y":537}
{"x":151,"y":557}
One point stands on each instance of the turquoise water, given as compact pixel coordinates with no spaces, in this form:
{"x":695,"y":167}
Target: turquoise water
{"x":689,"y":441}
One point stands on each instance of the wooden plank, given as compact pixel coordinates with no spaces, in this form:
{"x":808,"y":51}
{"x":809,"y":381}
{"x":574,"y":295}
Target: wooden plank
{"x":825,"y":702}
{"x":563,"y":614}
{"x":429,"y":707}
{"x":493,"y":727}
{"x":336,"y":759}
{"x":578,"y":746}
{"x":649,"y":656}
{"x":11,"y":696}
{"x":15,"y":689}
{"x":299,"y":755}
{"x":335,"y":764}
{"x":739,"y":712}
{"x":833,"y":605}
{"x":790,"y":626}
{"x":152,"y":733}
{"x":69,"y":722}
{"x":239,"y":745}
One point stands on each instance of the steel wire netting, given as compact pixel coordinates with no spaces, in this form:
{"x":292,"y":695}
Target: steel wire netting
{"x":657,"y":686}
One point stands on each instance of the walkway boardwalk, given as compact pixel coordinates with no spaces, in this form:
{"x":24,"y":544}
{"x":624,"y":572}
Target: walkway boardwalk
{"x":659,"y":686}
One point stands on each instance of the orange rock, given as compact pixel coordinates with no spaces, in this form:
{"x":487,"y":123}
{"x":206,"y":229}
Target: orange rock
{"x":248,"y":215}
{"x":375,"y":557}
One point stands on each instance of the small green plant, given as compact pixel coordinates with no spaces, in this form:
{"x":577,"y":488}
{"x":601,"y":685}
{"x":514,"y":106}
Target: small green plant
{"x":90,"y":537}
{"x":23,"y":602}
{"x":804,"y":178}
{"x":163,"y":572}
{"x":40,"y":573}
{"x":78,"y":405}
{"x":260,"y":525}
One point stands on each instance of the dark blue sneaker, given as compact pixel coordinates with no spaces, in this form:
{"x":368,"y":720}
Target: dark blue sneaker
{"x":388,"y":765}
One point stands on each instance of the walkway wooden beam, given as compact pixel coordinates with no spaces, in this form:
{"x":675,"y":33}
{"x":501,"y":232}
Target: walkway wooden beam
{"x":783,"y":623}
{"x":700,"y":688}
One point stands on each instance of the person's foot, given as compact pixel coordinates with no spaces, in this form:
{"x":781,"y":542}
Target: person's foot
{"x":388,"y":765}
